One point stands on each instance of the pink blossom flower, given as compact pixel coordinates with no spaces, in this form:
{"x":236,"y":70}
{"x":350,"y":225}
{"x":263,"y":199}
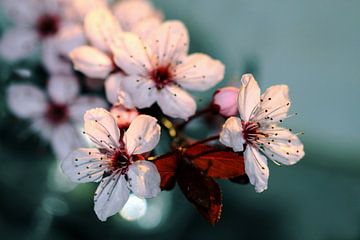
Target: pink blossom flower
{"x":118,"y":162}
{"x":55,"y":114}
{"x":124,"y":116}
{"x":257,"y":129}
{"x":225,"y":100}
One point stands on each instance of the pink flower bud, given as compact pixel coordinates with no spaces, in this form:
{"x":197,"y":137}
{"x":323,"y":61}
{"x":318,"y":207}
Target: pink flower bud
{"x":226,"y":100}
{"x":123,"y":116}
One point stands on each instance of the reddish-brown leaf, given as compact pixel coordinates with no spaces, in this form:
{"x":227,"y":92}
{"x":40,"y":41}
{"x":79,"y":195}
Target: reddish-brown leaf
{"x":215,"y":162}
{"x":167,"y":167}
{"x":202,"y":191}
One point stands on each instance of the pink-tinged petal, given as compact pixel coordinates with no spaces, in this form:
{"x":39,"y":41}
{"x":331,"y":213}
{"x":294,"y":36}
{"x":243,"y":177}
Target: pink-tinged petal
{"x":111,"y":196}
{"x":142,"y":91}
{"x":144,"y":179}
{"x":18,"y":43}
{"x":176,"y":103}
{"x":232,"y":134}
{"x":53,"y":61}
{"x":131,"y":54}
{"x":112,"y":86}
{"x":100,"y":25}
{"x":249,"y":96}
{"x":70,"y":37}
{"x":76,"y":10}
{"x":78,"y":108}
{"x":145,"y":27}
{"x":285,"y":147}
{"x":142,"y":135}
{"x":274,"y":106}
{"x":26,"y":100}
{"x":85,"y":165}
{"x":169,"y":43}
{"x":256,"y":168}
{"x":92,"y":62}
{"x":226,"y":100}
{"x":65,"y":139}
{"x":131,"y":12}
{"x":101,"y":128}
{"x":124,"y":116}
{"x":63,"y":89}
{"x":20,"y":11}
{"x":199,"y":72}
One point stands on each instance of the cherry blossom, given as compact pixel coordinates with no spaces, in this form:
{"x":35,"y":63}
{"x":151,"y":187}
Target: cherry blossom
{"x":124,"y":116}
{"x":158,"y":69}
{"x":55,"y":115}
{"x":39,"y":21}
{"x":257,"y":130}
{"x":118,"y":162}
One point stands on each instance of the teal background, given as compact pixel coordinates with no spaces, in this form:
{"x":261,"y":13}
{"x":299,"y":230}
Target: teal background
{"x":313,"y":46}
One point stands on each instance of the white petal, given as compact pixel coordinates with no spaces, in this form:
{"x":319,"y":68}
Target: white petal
{"x":274,"y":104}
{"x":142,"y":135}
{"x":169,"y":43}
{"x":102,"y":129}
{"x":176,"y":103}
{"x":63,"y":89}
{"x":18,"y":43}
{"x":144,"y":179}
{"x":20,"y":11}
{"x":52,"y":59}
{"x":43,"y":127}
{"x":249,"y":96}
{"x":70,"y":37}
{"x":26,"y":100}
{"x":65,"y":139}
{"x":82,"y":104}
{"x":131,"y":54}
{"x":76,"y":10}
{"x":142,"y":91}
{"x":199,"y":72}
{"x":112,"y":85}
{"x":129,"y":13}
{"x":285,"y":147}
{"x":232,"y":134}
{"x":110,"y":196}
{"x":92,"y":62}
{"x":99,"y":27}
{"x":145,"y":27}
{"x":85,"y":165}
{"x":256,"y":168}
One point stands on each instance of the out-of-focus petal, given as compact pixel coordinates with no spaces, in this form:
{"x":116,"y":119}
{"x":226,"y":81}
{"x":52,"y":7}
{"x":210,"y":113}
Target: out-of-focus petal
{"x":26,"y":100}
{"x":18,"y":43}
{"x":82,"y":104}
{"x":63,"y":89}
{"x":70,"y":37}
{"x":53,"y":61}
{"x":20,"y":11}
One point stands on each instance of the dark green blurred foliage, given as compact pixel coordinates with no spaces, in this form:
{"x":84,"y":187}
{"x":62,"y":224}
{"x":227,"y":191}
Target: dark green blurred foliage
{"x":312,"y":46}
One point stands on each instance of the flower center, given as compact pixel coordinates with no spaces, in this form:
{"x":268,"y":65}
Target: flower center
{"x":251,"y":131}
{"x":120,"y":161}
{"x":47,"y":25}
{"x":161,"y":76}
{"x":57,"y":113}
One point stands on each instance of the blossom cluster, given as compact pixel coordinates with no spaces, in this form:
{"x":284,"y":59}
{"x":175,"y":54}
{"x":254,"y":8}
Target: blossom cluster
{"x":143,"y":63}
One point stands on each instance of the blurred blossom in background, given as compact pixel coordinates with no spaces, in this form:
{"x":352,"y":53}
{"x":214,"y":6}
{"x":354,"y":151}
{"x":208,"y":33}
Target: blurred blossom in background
{"x":312,"y":46}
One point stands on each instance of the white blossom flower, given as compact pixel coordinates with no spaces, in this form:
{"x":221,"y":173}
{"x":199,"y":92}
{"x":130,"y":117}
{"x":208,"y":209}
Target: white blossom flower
{"x":118,"y":162}
{"x":257,"y":129}
{"x":55,"y":115}
{"x":158,"y":69}
{"x":38,"y":21}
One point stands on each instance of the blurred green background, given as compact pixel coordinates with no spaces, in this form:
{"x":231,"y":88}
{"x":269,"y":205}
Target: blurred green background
{"x":313,"y":46}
